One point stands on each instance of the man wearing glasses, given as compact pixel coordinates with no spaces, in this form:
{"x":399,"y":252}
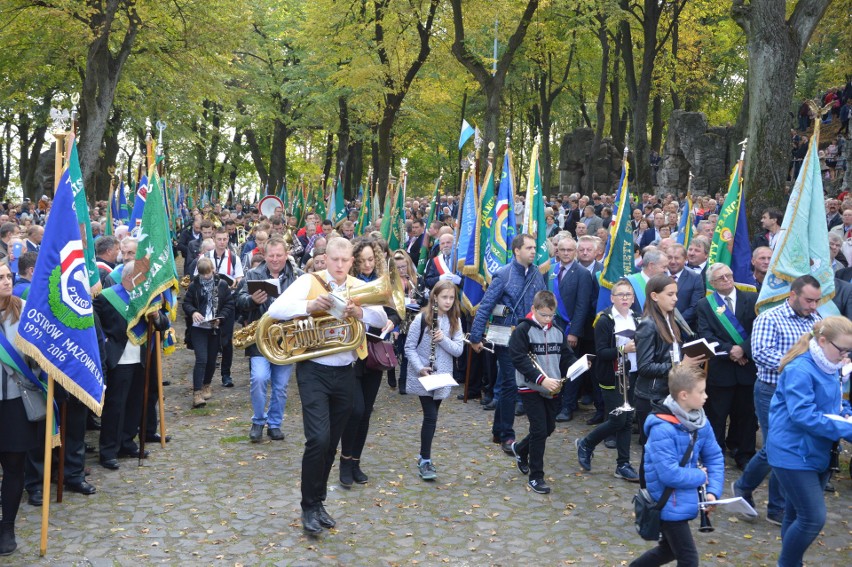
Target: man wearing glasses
{"x":727,"y":317}
{"x":775,"y":331}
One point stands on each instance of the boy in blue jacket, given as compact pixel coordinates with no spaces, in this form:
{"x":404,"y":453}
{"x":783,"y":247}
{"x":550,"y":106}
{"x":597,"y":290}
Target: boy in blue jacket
{"x":669,"y":429}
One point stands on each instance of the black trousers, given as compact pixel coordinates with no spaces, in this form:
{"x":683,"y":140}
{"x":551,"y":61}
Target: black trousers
{"x":541,"y":413}
{"x":736,"y":402}
{"x":206,"y":346}
{"x":430,"y":408}
{"x":676,"y":543}
{"x":619,"y":425}
{"x":122,"y":410}
{"x":12,"y":487}
{"x":75,"y":440}
{"x":355,"y":434}
{"x":327,"y":393}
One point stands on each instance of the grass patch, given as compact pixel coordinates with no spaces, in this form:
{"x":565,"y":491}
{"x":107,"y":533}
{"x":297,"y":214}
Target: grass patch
{"x":234,"y":439}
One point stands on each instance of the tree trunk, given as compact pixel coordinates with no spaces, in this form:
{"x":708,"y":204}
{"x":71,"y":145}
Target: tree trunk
{"x":491,"y":85}
{"x":343,"y":141}
{"x":600,"y":104}
{"x":278,"y":156}
{"x":111,"y":147}
{"x":5,"y":159}
{"x":355,"y":168}
{"x":329,"y":157}
{"x":616,"y":132}
{"x":546,"y":160}
{"x":101,"y":76}
{"x":774,"y":47}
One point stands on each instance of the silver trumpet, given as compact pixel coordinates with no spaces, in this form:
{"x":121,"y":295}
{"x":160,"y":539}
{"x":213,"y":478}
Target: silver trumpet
{"x":467,"y":340}
{"x":623,"y":378}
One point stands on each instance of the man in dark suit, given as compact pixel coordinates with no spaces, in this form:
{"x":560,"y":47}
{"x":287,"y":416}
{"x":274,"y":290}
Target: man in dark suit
{"x":34,"y":235}
{"x":194,"y":246}
{"x":727,"y":317}
{"x":588,"y":248}
{"x":572,"y":216}
{"x":843,"y":296}
{"x":653,"y":234}
{"x":690,"y":288}
{"x":572,"y":284}
{"x":418,"y":227}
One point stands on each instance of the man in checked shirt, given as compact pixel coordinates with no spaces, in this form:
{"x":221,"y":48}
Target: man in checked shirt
{"x":774,"y":333}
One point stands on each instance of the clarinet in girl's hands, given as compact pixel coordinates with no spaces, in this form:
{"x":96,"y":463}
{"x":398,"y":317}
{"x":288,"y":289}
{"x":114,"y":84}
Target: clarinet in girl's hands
{"x":434,"y":346}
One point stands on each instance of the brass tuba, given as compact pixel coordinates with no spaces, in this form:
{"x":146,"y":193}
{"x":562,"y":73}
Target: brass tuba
{"x":321,"y":334}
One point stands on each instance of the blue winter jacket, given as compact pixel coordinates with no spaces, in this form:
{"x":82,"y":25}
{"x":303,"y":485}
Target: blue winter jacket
{"x":666,"y":445}
{"x":800,"y":434}
{"x":506,"y":287}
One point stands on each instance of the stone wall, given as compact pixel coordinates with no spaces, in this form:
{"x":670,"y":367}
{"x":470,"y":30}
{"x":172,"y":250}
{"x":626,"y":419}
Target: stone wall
{"x":573,"y":155}
{"x":692,"y":146}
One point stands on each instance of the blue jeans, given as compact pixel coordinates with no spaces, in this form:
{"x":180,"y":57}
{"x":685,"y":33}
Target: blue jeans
{"x":262,"y":374}
{"x":506,"y":393}
{"x":804,"y":516}
{"x":758,"y":467}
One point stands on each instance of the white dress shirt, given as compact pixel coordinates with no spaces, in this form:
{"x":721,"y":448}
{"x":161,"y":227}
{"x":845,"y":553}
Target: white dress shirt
{"x":292,"y":303}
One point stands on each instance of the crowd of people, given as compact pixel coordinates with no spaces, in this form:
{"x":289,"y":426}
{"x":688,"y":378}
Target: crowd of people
{"x":530,"y":326}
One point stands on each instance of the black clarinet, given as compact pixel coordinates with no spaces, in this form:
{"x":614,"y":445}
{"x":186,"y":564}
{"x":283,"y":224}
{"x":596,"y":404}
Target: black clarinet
{"x":705,"y":526}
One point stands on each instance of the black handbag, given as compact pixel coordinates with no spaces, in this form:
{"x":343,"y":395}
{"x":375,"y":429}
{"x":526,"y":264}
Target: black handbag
{"x":34,"y":400}
{"x":647,"y":511}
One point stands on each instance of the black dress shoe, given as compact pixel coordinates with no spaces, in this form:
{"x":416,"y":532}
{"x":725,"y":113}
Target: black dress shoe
{"x":93,"y":423}
{"x":275,"y":433}
{"x":595,"y":420}
{"x":111,"y":464}
{"x":132,"y":454}
{"x":311,"y":523}
{"x":155,"y":438}
{"x":486,"y":399}
{"x":167,"y":383}
{"x":490,"y":406}
{"x":325,"y":518}
{"x":227,"y":382}
{"x":36,"y":498}
{"x":564,"y":416}
{"x":81,"y":487}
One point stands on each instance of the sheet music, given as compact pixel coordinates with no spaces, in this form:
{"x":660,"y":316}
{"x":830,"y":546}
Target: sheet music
{"x":435,"y":381}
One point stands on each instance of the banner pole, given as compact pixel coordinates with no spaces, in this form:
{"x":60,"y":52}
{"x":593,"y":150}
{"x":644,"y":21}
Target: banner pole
{"x":145,"y":394}
{"x":48,"y":450}
{"x":157,"y":345}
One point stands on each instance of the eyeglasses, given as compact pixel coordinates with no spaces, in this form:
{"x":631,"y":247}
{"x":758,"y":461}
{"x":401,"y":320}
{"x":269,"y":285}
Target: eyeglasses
{"x":724,"y":277}
{"x":841,"y":351}
{"x":622,"y":295}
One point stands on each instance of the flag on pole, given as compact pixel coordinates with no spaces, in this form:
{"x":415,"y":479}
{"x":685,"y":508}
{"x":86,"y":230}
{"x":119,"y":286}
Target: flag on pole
{"x":467,"y":223}
{"x":686,"y":226}
{"x":339,"y":203}
{"x":375,"y":208}
{"x":154,"y":277}
{"x":396,"y":222}
{"x":466,"y":132}
{"x":111,"y":211}
{"x":618,"y":256}
{"x":479,"y":257}
{"x":504,"y":227}
{"x":123,"y":210}
{"x":730,"y":243}
{"x":57,"y":327}
{"x":802,"y":246}
{"x":427,"y":243}
{"x":535,"y":220}
{"x":141,"y":199}
{"x":299,"y":205}
{"x":82,"y":210}
{"x":319,"y":202}
{"x":364,"y":216}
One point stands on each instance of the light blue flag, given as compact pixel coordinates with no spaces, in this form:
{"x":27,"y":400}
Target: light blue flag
{"x":57,"y":326}
{"x":686,"y":226}
{"x":466,"y":132}
{"x":802,"y":245}
{"x":504,"y":227}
